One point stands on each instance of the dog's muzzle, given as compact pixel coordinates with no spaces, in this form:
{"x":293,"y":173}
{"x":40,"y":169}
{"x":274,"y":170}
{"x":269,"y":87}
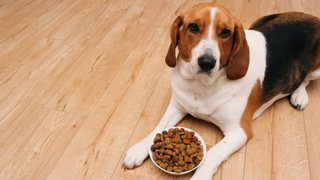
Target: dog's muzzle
{"x":206,"y":63}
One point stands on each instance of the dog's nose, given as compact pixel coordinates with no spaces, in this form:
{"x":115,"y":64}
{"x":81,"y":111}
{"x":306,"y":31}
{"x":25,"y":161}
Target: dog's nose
{"x":206,"y":63}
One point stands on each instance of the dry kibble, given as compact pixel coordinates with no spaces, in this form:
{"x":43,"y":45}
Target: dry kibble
{"x":157,"y":138}
{"x":191,"y":151}
{"x":184,"y":168}
{"x":177,"y":169}
{"x":165,"y":165}
{"x":163,"y":146}
{"x":164,"y":160}
{"x":199,"y":157}
{"x":186,"y":141}
{"x":184,"y":153}
{"x":196,"y":162}
{"x":180,"y":157}
{"x":156,"y":146}
{"x":181,"y":163}
{"x":177,"y":150}
{"x":193,"y":145}
{"x":169,"y":152}
{"x":189,"y":135}
{"x":188,"y":146}
{"x":167,"y":157}
{"x":188,"y":159}
{"x":175,"y":159}
{"x":170,"y":168}
{"x":177,"y":140}
{"x":194,"y":139}
{"x":191,"y":166}
{"x":182,"y":146}
{"x":169,"y":146}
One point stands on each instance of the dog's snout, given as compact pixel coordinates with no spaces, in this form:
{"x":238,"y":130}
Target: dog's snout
{"x":206,"y":63}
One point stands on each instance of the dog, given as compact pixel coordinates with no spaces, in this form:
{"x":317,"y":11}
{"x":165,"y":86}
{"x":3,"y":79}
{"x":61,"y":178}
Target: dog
{"x":228,"y":76}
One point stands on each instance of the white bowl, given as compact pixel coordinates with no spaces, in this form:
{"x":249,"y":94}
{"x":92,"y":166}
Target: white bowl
{"x":185,"y":172}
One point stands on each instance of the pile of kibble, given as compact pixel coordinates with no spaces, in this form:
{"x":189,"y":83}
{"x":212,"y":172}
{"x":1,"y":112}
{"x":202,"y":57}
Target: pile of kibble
{"x":177,"y":150}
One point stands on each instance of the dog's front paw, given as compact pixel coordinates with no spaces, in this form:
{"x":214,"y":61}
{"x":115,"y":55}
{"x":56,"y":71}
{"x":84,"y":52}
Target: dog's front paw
{"x":204,"y":173}
{"x":136,"y":155}
{"x":207,"y":169}
{"x":299,"y":99}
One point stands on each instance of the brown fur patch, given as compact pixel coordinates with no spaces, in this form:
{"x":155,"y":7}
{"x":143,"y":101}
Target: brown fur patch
{"x":253,"y":104}
{"x":199,"y":14}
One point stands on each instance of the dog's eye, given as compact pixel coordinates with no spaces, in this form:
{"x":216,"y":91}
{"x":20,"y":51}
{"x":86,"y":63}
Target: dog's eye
{"x":193,"y":28}
{"x":225,"y":33}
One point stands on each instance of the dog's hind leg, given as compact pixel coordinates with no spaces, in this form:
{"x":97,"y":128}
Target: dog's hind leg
{"x":299,"y":98}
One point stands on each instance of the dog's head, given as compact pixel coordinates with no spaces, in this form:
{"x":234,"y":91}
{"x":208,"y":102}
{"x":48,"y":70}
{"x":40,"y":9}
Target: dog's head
{"x":209,"y":39}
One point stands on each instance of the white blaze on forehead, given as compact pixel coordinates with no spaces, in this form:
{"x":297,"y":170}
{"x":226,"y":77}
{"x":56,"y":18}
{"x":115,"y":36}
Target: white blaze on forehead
{"x":212,"y":43}
{"x":208,"y":45}
{"x":213,"y":12}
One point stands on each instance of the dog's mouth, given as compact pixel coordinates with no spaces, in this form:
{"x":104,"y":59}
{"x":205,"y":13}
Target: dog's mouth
{"x":200,"y":71}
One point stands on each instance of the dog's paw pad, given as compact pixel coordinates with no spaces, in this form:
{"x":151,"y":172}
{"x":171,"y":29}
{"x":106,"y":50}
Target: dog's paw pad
{"x":299,"y":99}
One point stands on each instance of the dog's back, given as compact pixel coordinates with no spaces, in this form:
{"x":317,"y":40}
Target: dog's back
{"x":293,"y":45}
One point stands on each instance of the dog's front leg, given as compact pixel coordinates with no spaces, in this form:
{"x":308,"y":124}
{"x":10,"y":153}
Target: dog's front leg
{"x":232,"y":141}
{"x":139,"y":152}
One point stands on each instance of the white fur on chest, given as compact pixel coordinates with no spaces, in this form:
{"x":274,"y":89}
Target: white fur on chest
{"x":218,"y":99}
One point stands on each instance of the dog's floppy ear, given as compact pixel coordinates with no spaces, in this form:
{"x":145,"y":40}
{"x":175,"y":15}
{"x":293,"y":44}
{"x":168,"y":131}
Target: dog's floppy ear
{"x":239,"y":59}
{"x":174,"y":35}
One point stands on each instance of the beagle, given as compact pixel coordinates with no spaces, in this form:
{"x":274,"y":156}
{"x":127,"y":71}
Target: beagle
{"x":228,"y":76}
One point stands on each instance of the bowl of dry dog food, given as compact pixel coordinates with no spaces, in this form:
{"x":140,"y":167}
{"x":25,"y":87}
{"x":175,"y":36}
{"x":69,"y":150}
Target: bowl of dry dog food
{"x":177,"y":150}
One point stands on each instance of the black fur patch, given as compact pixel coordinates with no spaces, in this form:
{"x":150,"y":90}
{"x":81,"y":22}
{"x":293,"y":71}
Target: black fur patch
{"x":292,"y":39}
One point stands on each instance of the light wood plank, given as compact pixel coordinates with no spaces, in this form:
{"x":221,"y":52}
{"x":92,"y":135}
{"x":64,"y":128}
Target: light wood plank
{"x":93,"y":76}
{"x":21,"y":19}
{"x":250,"y":13}
{"x":302,"y":6}
{"x":17,"y":36}
{"x":266,"y":7}
{"x":259,"y":157}
{"x":68,"y":21}
{"x":21,"y":61}
{"x":289,"y":151}
{"x":21,"y":14}
{"x":7,"y":7}
{"x":29,"y":96}
{"x":36,"y":151}
{"x":96,"y":150}
{"x":312,"y":128}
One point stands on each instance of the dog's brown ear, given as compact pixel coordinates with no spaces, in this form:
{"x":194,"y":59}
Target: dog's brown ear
{"x":174,"y":35}
{"x":239,"y":59}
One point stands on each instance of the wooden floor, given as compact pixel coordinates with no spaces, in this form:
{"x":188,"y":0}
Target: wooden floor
{"x":81,"y":81}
